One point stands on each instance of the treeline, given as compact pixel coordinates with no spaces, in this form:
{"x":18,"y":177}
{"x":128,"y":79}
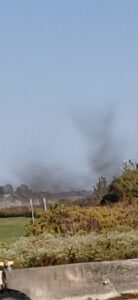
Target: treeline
{"x":22,"y":192}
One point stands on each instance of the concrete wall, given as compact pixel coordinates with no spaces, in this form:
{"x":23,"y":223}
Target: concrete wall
{"x":85,"y":281}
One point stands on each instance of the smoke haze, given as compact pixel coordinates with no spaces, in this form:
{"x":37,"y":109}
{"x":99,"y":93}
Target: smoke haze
{"x":41,"y":177}
{"x":103,"y":156}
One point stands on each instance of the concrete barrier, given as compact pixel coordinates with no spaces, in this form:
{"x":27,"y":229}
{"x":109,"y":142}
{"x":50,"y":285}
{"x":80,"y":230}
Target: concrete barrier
{"x":86,"y":281}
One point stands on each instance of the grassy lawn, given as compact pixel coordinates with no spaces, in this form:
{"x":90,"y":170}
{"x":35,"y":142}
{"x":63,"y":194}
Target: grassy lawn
{"x":12,"y":228}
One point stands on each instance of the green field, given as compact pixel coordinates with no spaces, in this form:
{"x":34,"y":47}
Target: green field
{"x":12,"y":228}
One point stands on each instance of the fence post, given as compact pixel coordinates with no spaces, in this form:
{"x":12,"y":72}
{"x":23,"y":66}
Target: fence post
{"x":45,"y":204}
{"x":32,"y":210}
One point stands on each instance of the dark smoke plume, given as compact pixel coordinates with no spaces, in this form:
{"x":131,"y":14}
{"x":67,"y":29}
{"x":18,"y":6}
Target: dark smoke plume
{"x":107,"y":156}
{"x":103,"y":157}
{"x":104,"y":149}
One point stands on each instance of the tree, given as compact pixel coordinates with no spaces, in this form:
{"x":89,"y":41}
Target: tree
{"x":99,"y":190}
{"x":126,"y":185}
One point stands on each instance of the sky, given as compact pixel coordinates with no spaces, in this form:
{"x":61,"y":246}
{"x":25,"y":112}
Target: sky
{"x":68,"y":91}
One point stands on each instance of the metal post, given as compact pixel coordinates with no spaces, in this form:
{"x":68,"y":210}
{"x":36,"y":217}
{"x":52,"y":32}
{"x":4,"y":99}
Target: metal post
{"x":32,"y":210}
{"x":45,"y":206}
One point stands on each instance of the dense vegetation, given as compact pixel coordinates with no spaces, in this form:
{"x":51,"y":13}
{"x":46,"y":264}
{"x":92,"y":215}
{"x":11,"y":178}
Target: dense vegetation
{"x":126,"y":185}
{"x":64,"y":220}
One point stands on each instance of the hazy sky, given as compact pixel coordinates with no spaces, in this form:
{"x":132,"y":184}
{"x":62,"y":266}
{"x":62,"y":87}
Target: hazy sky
{"x":68,"y":89}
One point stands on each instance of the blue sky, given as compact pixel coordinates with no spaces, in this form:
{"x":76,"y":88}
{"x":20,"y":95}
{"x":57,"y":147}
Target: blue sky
{"x":65,"y":66}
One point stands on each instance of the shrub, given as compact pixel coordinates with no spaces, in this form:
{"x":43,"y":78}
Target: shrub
{"x":49,"y":250}
{"x":126,"y":185}
{"x":61,"y":220}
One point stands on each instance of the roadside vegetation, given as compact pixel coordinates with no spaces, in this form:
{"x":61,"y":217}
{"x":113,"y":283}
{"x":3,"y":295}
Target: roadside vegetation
{"x":46,"y":249}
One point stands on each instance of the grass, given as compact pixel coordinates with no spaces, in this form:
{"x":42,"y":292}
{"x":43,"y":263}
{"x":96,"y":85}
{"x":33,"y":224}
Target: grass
{"x":12,"y":228}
